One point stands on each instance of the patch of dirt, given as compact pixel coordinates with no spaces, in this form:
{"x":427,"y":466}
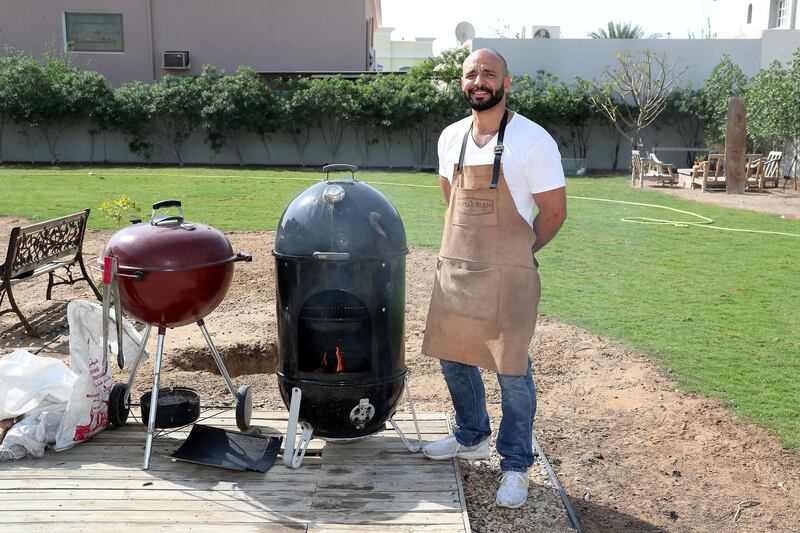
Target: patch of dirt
{"x":632,"y":451}
{"x":240,"y":359}
{"x":784,"y":203}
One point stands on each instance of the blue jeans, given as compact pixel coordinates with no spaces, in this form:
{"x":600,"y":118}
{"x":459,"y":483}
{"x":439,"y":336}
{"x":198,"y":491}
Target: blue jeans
{"x":514,"y":440}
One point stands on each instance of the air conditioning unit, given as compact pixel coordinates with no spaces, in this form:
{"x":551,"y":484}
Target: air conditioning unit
{"x":176,"y":60}
{"x":546,"y":32}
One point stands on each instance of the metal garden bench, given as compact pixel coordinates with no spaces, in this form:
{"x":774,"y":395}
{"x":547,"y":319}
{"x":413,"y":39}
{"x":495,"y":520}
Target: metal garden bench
{"x":44,"y":248}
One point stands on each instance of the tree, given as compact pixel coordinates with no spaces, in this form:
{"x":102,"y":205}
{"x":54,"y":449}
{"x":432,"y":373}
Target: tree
{"x":773,"y":99}
{"x":386,"y":97}
{"x":726,"y":80}
{"x":236,"y":105}
{"x":332,"y":100}
{"x":686,"y":112}
{"x":298,"y":114}
{"x":15,"y":70}
{"x":635,"y":93}
{"x":367,"y":115}
{"x":56,"y":95}
{"x":621,"y":30}
{"x":528,"y":97}
{"x":93,"y":101}
{"x":431,"y":97}
{"x":131,"y":114}
{"x":177,"y":107}
{"x":573,"y":111}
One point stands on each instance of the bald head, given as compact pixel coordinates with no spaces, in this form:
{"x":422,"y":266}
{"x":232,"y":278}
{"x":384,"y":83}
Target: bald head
{"x":485,"y":79}
{"x":489,"y":57}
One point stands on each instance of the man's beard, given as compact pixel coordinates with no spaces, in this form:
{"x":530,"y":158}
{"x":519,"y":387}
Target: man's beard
{"x":483,"y":105}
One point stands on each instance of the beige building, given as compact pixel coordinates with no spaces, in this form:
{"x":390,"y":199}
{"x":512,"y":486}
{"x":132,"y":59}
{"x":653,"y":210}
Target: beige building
{"x":399,"y":56}
{"x":145,"y":39}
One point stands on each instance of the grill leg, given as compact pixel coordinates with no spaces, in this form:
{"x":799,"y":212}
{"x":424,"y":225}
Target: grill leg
{"x":413,"y":448}
{"x":293,"y":451}
{"x":132,"y":377}
{"x":218,"y":360}
{"x":162,"y":330}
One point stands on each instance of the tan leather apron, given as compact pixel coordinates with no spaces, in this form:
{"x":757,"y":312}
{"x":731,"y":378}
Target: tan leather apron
{"x":486,"y":293}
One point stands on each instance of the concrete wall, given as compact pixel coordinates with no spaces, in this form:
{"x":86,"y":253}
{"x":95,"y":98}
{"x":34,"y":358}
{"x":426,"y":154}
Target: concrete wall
{"x":75,"y":146}
{"x":269,"y":35}
{"x":588,"y":58}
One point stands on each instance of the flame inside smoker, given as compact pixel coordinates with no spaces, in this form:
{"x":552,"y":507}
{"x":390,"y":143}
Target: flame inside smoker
{"x":339,"y":360}
{"x":339,"y":365}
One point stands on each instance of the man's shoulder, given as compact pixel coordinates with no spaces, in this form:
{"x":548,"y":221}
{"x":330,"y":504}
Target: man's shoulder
{"x":530,"y":130}
{"x":456,"y":129}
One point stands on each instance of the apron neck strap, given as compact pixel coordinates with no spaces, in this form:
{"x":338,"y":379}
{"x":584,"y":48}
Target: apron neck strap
{"x":498,"y":150}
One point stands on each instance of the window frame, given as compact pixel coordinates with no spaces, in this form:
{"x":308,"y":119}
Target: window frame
{"x":785,"y":7}
{"x":64,"y":31}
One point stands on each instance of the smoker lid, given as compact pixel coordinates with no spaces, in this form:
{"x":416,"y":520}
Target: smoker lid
{"x":340,"y":219}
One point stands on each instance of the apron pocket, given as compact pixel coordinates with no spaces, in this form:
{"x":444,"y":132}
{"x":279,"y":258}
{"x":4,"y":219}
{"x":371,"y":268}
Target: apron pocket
{"x":469,"y":292}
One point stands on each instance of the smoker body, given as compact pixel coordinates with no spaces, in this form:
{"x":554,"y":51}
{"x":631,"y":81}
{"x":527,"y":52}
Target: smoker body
{"x":340,"y":267}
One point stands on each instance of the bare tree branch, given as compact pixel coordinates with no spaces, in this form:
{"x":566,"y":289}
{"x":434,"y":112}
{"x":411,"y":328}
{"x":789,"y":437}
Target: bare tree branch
{"x":636,"y":91}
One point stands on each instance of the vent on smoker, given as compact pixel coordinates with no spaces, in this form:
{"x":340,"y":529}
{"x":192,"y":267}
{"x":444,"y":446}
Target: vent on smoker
{"x":334,"y":312}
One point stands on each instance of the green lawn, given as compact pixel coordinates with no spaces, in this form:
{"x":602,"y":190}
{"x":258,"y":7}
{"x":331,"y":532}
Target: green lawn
{"x":721,"y":309}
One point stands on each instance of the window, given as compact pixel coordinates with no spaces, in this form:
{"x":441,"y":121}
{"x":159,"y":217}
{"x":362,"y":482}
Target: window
{"x":404,"y":68}
{"x":782,"y":14}
{"x":93,"y":32}
{"x":750,"y":14}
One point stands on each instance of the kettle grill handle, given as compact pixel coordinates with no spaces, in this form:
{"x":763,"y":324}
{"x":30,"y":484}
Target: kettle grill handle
{"x":243,"y":256}
{"x":163,"y":204}
{"x":166,"y":203}
{"x":340,"y":167}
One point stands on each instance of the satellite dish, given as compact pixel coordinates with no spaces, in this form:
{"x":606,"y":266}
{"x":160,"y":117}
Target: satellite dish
{"x":464,"y":32}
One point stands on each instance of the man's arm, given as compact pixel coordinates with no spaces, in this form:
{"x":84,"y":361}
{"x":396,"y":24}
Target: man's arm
{"x":444,"y":183}
{"x":552,"y":213}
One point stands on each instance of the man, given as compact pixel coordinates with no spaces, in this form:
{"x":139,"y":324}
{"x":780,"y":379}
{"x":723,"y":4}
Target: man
{"x":496,"y":167}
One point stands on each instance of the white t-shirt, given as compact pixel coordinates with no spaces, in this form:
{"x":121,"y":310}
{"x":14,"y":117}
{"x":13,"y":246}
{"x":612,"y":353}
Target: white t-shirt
{"x":531,"y":160}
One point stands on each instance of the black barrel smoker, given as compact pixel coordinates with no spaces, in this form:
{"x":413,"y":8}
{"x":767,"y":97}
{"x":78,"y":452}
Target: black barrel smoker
{"x":340,"y":260}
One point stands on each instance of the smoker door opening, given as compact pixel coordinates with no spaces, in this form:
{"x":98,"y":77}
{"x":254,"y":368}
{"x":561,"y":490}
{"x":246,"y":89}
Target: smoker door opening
{"x":334,"y":334}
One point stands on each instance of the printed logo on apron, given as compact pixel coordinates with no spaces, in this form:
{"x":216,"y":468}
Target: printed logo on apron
{"x":475,"y":206}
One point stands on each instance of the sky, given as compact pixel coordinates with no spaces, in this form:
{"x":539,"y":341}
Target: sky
{"x":438,"y":18}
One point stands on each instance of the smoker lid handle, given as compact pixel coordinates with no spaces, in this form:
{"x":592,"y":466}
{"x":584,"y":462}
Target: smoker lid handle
{"x":340,"y":167}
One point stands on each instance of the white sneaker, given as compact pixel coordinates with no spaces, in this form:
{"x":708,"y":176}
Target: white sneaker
{"x":449,"y":447}
{"x":513,"y":490}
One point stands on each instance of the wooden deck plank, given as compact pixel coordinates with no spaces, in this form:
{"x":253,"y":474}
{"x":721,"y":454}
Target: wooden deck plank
{"x":180,"y":516}
{"x":371,"y":485}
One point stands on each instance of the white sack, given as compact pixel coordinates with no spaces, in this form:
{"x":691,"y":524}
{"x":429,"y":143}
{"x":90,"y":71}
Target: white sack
{"x":87,"y":410}
{"x":29,"y":382}
{"x":32,"y":434}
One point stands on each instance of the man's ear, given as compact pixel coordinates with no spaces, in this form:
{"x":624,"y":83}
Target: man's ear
{"x":507,"y":82}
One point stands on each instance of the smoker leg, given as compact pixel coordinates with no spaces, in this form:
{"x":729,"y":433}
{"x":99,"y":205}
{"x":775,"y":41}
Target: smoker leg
{"x":413,"y":448}
{"x":218,"y":360}
{"x":132,"y":377}
{"x":162,"y":330}
{"x":293,"y":451}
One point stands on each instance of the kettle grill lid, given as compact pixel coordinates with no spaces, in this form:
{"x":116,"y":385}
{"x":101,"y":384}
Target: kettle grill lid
{"x":345,"y":218}
{"x":168,"y":243}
